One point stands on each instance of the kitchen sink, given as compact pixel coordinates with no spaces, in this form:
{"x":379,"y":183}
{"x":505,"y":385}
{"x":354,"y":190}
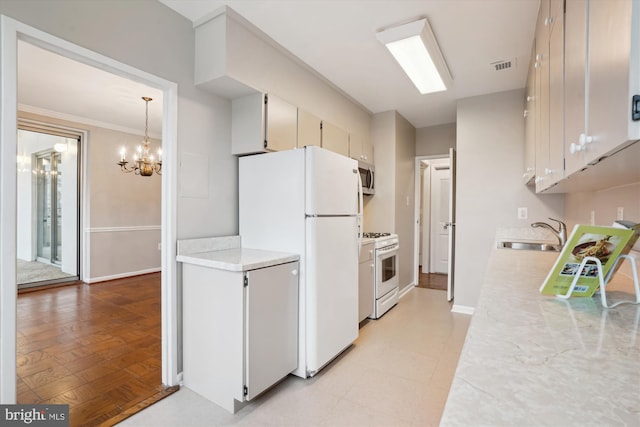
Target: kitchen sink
{"x":529,"y":246}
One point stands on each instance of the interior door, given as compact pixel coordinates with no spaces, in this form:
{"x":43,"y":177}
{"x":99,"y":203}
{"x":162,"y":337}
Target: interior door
{"x":451,"y":223}
{"x":440,"y":215}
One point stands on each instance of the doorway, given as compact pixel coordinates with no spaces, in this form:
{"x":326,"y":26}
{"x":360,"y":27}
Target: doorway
{"x":47,"y":245}
{"x":434,"y":222}
{"x":12,"y":31}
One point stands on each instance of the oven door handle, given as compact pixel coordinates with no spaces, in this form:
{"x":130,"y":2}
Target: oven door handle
{"x":388,"y":250}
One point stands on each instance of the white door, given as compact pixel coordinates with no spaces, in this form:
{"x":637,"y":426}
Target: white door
{"x":440,"y":207}
{"x":451,"y":222}
{"x":331,"y":288}
{"x":331,"y":183}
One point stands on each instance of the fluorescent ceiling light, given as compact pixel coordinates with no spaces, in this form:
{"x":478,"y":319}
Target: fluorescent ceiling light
{"x":415,"y":48}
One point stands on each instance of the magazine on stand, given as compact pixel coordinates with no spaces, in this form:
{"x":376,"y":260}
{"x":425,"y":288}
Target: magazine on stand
{"x":604,"y":243}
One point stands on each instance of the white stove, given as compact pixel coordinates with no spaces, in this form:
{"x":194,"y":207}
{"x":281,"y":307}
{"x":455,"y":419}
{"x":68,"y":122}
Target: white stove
{"x":385,"y":282}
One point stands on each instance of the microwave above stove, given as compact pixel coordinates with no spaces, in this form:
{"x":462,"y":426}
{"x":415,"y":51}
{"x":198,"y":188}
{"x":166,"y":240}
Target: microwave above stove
{"x":367,"y":173}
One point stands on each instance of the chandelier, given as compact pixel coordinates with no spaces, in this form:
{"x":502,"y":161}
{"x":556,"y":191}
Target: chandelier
{"x":143,"y":163}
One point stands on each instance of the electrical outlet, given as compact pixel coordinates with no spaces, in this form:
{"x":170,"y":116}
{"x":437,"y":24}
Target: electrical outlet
{"x":592,"y":217}
{"x":620,"y":213}
{"x":523,"y":213}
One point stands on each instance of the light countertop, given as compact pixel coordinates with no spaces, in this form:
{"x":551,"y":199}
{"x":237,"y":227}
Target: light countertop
{"x":226,"y":253}
{"x":534,"y":360}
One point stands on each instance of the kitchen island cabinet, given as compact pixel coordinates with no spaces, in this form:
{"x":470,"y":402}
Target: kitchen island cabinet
{"x":240,"y":322}
{"x":532,"y":359}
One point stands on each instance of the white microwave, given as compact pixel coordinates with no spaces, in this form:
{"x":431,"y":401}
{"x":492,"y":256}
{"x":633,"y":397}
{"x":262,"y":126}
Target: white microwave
{"x":367,"y":175}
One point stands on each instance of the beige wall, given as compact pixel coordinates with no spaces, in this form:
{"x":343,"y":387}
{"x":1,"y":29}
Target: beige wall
{"x":135,"y":33}
{"x":379,"y":210}
{"x":405,"y":197}
{"x":392,"y":207}
{"x":490,"y":144}
{"x":435,"y":140}
{"x":123,"y":215}
{"x":604,"y":204}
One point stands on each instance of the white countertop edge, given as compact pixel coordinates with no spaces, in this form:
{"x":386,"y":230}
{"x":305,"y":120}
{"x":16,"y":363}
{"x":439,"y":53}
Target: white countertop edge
{"x":238,"y":259}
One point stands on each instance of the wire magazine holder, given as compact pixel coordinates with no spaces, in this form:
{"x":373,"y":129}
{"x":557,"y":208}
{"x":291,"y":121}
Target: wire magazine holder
{"x":605,"y":280}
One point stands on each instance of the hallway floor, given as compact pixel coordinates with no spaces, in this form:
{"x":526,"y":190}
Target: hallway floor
{"x":398,"y":373}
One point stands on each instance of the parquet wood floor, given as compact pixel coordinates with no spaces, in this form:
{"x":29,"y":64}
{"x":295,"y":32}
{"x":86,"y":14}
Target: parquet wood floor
{"x":95,"y":347}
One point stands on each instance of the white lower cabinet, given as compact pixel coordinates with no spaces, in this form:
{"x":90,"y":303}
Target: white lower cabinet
{"x":366,"y":295}
{"x":240,"y":330}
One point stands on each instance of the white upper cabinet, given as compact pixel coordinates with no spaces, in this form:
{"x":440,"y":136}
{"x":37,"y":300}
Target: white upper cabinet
{"x":335,"y":139}
{"x":587,"y":73}
{"x":529,"y":124}
{"x":263,"y":122}
{"x":309,"y":129}
{"x":542,"y":96}
{"x":360,"y":148}
{"x":575,"y":60}
{"x":554,"y":170}
{"x":609,"y":123}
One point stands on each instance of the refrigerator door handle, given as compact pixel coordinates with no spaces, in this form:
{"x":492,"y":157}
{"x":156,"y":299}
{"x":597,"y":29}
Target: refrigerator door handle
{"x":360,"y":213}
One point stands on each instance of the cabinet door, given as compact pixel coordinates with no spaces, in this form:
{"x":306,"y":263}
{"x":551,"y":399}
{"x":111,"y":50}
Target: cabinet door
{"x":529,"y":124}
{"x":271,"y":334}
{"x":575,"y":63}
{"x":360,"y":148}
{"x":247,"y":124}
{"x":542,"y":96}
{"x":309,"y":132}
{"x":335,"y":139}
{"x":609,"y":57}
{"x":365,"y":282}
{"x":554,"y":170}
{"x":281,"y":124}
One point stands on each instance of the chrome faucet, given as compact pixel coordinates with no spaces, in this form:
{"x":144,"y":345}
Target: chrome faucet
{"x":560,"y":233}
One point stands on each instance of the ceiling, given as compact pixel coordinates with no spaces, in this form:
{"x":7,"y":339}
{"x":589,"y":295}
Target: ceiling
{"x":336,"y":38}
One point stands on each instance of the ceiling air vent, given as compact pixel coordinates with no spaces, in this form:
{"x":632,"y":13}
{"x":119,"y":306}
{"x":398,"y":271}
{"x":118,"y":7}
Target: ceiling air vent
{"x":503,"y":65}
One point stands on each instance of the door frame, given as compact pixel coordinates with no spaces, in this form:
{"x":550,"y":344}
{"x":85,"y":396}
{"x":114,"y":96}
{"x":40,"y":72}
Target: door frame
{"x":10,"y":31}
{"x":416,"y":214}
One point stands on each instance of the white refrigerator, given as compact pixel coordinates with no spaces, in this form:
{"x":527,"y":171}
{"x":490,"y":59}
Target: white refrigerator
{"x":306,"y":201}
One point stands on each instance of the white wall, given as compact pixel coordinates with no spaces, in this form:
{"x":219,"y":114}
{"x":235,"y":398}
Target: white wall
{"x":435,"y":140}
{"x":490,"y":133}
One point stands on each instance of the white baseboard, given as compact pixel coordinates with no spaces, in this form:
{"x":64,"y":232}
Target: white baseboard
{"x":406,"y":289}
{"x":121,"y":275}
{"x":462,"y":309}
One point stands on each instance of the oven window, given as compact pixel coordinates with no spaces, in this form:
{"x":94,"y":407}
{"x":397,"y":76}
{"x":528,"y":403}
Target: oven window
{"x":388,"y":268}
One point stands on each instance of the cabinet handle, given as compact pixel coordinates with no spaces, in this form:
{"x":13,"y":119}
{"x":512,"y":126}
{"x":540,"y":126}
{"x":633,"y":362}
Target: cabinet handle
{"x":574,"y":148}
{"x":529,"y":98}
{"x":526,"y":113}
{"x":539,"y":179}
{"x":548,"y":171}
{"x":294,"y":272}
{"x":585,"y":139}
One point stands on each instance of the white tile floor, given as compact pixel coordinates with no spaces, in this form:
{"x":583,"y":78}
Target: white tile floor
{"x":397,"y":373}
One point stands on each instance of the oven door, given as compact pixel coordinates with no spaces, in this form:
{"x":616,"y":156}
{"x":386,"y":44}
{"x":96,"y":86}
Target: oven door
{"x":386,"y":270}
